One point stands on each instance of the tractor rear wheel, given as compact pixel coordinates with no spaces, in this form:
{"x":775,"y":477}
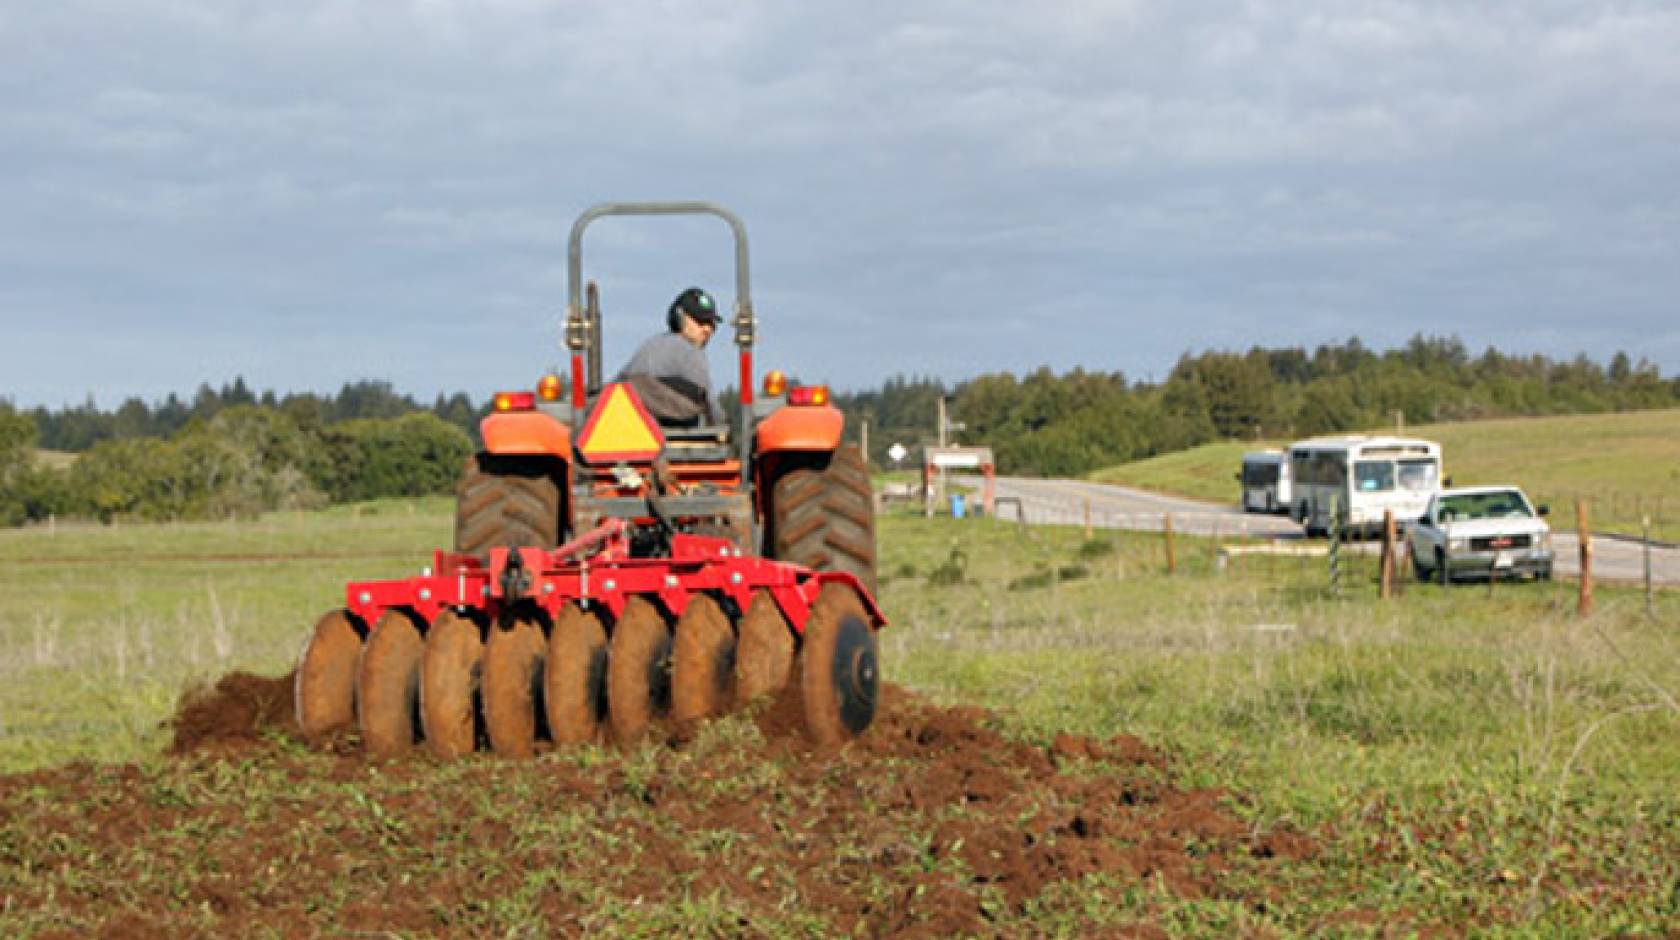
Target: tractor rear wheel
{"x":388,"y":684}
{"x":513,"y":667}
{"x":823,"y":515}
{"x":324,"y":690}
{"x":702,"y":661}
{"x":839,"y":669}
{"x":449,"y":680}
{"x":506,"y":502}
{"x":575,"y":677}
{"x":638,"y":670}
{"x":764,"y":652}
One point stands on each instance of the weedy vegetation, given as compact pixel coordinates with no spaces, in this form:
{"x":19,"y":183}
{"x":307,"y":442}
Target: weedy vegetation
{"x":1470,"y":760}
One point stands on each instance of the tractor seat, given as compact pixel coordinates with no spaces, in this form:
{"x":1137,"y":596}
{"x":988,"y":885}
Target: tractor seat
{"x":697,"y":444}
{"x":705,"y":434}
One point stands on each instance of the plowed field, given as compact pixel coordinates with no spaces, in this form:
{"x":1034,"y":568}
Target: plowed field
{"x":934,"y":824}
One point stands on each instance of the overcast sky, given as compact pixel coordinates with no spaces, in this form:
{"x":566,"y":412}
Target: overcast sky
{"x":307,"y":193}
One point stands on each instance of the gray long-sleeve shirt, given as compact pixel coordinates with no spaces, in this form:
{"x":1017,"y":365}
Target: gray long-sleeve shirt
{"x":681,"y":368}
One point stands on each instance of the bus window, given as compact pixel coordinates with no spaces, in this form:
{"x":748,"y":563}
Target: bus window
{"x":1332,"y":470}
{"x":1419,"y":476}
{"x":1372,"y":476}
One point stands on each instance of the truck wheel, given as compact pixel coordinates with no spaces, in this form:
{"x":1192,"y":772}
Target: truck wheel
{"x":504,"y":502}
{"x":823,"y":515}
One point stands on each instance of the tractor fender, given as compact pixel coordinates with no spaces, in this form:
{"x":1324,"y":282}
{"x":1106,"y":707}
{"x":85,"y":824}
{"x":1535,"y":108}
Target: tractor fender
{"x":800,"y":428}
{"x":526,"y":432}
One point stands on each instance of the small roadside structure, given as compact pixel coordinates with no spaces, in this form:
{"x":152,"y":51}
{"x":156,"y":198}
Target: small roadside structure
{"x":938,"y":461}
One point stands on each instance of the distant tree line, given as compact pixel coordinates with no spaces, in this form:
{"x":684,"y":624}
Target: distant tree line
{"x":1044,"y":423}
{"x":78,"y":428}
{"x":244,"y":460}
{"x":231,"y":452}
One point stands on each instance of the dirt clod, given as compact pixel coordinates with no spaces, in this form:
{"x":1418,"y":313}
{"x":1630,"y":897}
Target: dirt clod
{"x":240,"y":708}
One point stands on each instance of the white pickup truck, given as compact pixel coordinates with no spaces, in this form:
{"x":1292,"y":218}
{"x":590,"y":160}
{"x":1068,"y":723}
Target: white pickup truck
{"x":1481,"y":532}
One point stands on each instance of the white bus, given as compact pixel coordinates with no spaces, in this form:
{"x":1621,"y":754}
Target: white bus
{"x":1265,"y":481}
{"x":1360,"y":477}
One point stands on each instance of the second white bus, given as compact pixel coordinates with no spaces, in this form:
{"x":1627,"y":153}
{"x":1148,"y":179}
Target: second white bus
{"x":1360,"y":477}
{"x":1265,"y":481}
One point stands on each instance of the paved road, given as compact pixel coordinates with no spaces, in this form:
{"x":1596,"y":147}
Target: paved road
{"x":1067,"y":502}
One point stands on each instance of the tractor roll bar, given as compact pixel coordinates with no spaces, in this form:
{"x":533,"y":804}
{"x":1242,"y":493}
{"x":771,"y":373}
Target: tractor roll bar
{"x":574,"y":247}
{"x":583,"y":330}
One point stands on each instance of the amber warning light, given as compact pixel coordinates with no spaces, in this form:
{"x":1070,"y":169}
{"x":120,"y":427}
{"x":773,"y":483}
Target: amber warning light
{"x":775,"y":383}
{"x":515,"y":401}
{"x":549,"y":387}
{"x":809,"y":395}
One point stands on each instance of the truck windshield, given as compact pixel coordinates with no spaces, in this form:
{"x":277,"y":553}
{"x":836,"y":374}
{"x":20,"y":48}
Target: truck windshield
{"x":1497,"y":505}
{"x":1373,"y":476}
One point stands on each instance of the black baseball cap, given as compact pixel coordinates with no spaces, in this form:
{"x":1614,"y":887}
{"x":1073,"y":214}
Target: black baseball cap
{"x":698,"y":304}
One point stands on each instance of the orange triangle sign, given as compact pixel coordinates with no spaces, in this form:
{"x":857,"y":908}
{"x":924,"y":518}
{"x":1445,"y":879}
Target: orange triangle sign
{"x":620,"y":429}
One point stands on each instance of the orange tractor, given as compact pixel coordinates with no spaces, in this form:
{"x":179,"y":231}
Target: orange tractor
{"x":608,"y":571}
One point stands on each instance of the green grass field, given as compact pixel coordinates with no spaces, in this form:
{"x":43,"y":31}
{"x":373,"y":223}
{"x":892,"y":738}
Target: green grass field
{"x":1626,"y":466}
{"x":1506,"y":760}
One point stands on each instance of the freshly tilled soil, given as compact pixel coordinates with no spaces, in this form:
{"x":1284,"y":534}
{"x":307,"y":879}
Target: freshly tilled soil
{"x":931,"y":824}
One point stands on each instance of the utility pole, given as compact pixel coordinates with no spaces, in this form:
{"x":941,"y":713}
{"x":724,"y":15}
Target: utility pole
{"x":942,"y":421}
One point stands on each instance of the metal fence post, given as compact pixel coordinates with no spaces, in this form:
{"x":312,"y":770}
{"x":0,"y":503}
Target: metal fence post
{"x":1335,"y":533}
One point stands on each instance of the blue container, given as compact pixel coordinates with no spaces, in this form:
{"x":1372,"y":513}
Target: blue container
{"x":958,"y":507}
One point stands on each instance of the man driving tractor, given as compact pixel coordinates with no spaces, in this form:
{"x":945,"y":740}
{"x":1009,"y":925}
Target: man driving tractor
{"x":669,"y":371}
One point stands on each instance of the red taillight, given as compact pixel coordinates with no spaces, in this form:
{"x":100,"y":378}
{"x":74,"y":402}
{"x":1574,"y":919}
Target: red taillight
{"x":549,"y":387}
{"x":808,"y":395}
{"x":515,"y":401}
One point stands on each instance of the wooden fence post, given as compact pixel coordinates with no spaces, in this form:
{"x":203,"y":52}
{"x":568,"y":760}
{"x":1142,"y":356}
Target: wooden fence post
{"x":1650,"y":599}
{"x":1584,"y":604}
{"x":1385,"y":582}
{"x":1402,"y":555}
{"x":1167,"y":535}
{"x":1087,"y":518}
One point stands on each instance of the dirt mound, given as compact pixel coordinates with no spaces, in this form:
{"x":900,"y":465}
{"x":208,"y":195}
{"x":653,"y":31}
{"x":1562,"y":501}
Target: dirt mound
{"x":933,"y":824}
{"x":240,"y":708}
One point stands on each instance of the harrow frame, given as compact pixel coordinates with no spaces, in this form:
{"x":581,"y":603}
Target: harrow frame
{"x":596,"y":568}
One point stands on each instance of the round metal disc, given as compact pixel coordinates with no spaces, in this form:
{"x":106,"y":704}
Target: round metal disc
{"x":764,"y":651}
{"x":324,"y":688}
{"x":839,"y":667}
{"x":388,"y":685}
{"x":575,"y":677}
{"x":449,"y":675}
{"x":638,"y":670}
{"x":512,"y":682}
{"x":702,"y":661}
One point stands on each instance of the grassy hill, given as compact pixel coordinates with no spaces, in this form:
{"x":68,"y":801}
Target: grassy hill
{"x":1624,"y":465}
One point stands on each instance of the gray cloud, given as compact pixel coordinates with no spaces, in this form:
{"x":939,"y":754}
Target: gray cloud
{"x":321,"y":192}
